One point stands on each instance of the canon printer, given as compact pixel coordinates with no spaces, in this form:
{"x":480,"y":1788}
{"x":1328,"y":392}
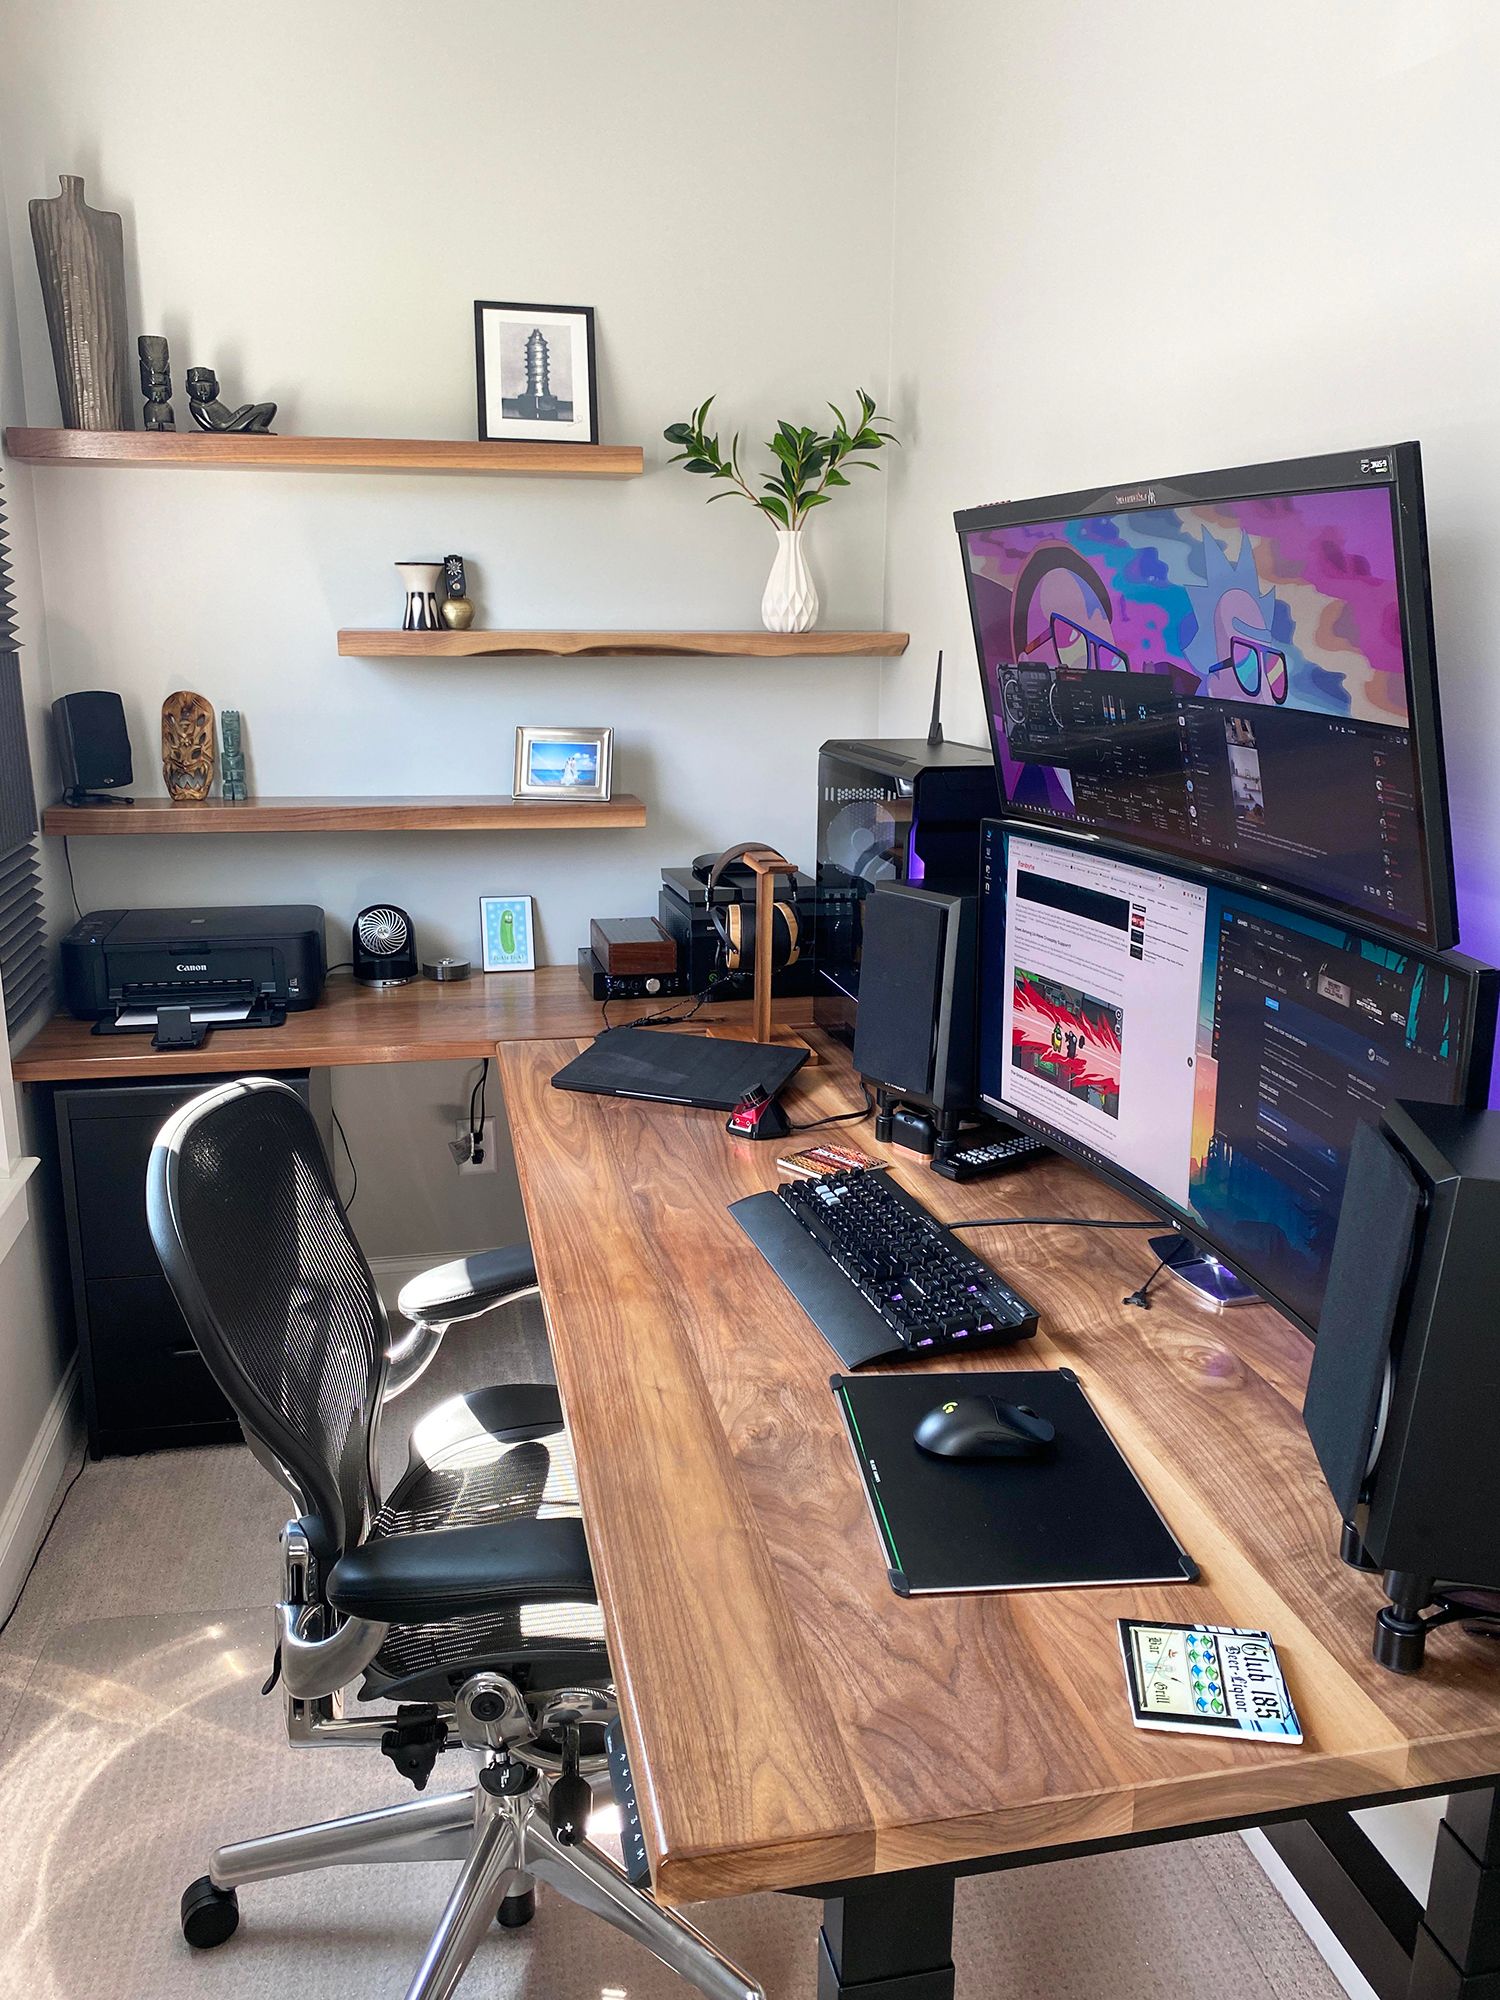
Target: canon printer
{"x":182,"y":972}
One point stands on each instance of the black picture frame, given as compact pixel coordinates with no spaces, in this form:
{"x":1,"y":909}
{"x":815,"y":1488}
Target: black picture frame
{"x":492,"y":420}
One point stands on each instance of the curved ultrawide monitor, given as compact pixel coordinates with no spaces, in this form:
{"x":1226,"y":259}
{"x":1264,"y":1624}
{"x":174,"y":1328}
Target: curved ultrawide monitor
{"x":1234,"y":668}
{"x":1211,"y":1048}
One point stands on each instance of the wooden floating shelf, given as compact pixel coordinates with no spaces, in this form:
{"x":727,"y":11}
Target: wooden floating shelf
{"x":347,"y":815}
{"x":320,"y":454}
{"x":603,"y":645}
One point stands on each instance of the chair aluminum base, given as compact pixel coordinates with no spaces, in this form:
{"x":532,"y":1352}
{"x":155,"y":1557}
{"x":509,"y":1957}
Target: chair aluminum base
{"x":504,"y":1843}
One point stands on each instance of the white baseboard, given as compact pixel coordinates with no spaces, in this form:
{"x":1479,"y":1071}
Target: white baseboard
{"x":28,"y":1508}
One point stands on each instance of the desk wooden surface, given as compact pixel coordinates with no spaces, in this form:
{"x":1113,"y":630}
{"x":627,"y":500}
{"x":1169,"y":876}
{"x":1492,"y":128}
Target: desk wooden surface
{"x":790,"y":1719}
{"x":422,"y":1022}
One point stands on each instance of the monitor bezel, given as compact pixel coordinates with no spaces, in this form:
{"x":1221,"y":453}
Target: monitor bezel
{"x":1482,"y":984}
{"x":1400,"y":472}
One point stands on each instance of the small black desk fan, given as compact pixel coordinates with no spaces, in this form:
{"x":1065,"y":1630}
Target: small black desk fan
{"x":384,"y":947}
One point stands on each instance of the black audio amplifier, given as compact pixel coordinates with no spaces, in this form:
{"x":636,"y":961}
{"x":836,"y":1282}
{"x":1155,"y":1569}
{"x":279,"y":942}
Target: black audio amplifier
{"x":602,"y":985}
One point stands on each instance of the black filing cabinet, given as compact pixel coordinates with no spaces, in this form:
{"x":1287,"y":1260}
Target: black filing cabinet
{"x":145,"y":1385}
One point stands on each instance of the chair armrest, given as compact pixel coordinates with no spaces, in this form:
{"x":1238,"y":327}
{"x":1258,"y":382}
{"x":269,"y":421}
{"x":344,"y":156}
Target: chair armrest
{"x":448,"y":1573}
{"x":469,"y":1286}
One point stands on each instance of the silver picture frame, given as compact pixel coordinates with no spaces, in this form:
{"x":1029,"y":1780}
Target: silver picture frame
{"x":563,"y":763}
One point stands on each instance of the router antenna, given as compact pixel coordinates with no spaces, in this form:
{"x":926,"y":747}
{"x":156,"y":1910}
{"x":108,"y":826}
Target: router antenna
{"x":935,"y":728}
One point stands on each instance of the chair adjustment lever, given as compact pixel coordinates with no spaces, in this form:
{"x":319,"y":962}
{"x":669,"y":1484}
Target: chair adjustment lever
{"x":414,"y":1740}
{"x":570,"y":1801}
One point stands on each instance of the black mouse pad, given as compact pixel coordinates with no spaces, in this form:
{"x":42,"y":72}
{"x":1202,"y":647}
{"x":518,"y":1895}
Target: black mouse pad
{"x":1078,"y":1517}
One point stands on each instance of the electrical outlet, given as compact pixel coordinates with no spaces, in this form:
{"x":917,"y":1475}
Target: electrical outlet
{"x":487,"y":1164}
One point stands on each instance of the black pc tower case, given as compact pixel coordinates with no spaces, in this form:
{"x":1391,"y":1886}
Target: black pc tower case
{"x":893,"y":809}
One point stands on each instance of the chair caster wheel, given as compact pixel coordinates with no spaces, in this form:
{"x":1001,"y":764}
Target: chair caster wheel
{"x":517,"y":1910}
{"x":210,"y":1916}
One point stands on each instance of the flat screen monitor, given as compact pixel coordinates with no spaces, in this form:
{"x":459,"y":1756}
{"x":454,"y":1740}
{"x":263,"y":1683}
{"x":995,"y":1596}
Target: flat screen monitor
{"x":1235,"y":667}
{"x":1211,"y":1048}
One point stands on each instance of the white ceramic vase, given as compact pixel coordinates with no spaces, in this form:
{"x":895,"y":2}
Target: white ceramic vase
{"x":422,"y":582}
{"x":791,"y":600}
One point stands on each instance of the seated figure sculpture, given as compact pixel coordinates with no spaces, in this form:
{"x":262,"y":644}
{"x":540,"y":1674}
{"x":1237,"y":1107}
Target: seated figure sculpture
{"x":209,"y":414}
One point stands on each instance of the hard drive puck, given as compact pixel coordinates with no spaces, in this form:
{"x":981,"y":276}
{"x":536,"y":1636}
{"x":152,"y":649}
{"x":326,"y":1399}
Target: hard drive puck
{"x":446,"y":968}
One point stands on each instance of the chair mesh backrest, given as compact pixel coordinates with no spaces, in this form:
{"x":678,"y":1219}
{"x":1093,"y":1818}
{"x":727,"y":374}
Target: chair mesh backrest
{"x":253,"y":1238}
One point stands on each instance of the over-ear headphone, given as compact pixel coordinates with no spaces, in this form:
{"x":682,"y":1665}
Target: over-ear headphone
{"x":734,"y":923}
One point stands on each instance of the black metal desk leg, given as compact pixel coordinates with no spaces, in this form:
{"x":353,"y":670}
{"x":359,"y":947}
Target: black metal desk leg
{"x":1457,"y":1955}
{"x":891,"y":1939}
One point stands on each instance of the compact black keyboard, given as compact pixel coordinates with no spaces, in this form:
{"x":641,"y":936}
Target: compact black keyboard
{"x":880,"y":1276}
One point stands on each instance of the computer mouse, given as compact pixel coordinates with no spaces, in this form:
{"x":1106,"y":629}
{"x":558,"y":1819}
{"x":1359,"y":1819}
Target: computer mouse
{"x":980,"y":1427}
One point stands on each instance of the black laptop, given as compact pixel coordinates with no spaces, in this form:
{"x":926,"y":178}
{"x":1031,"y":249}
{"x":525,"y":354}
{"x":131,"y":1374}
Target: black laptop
{"x":668,"y":1068}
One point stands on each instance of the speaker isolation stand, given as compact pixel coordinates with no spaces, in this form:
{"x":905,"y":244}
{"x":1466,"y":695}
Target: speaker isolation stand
{"x":1213,"y":1283}
{"x":1402,"y":1625}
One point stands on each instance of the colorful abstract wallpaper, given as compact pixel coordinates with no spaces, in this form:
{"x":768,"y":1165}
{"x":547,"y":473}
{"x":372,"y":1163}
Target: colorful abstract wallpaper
{"x":1288,"y":602}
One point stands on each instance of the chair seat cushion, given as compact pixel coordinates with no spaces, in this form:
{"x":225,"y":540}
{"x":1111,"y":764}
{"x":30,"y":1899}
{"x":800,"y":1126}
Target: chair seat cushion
{"x":468,"y":1285}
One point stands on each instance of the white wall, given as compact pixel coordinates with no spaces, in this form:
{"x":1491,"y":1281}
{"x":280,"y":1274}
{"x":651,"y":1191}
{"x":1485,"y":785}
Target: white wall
{"x":1154,"y":237}
{"x":312,"y":207}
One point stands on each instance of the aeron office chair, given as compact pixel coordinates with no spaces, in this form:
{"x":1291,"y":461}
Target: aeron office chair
{"x":464,"y":1595}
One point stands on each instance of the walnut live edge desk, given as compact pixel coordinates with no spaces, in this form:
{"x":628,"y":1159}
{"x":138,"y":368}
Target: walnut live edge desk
{"x":794,"y":1725}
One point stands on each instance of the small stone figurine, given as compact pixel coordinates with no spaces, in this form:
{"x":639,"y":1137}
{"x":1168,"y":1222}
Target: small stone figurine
{"x":187,"y":746}
{"x":231,"y":756}
{"x":456,"y":612}
{"x":209,"y":414}
{"x":156,"y":382}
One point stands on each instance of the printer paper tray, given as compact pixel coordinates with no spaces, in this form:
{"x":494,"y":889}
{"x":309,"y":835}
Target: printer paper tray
{"x":216,"y":1011}
{"x":213,"y":1014}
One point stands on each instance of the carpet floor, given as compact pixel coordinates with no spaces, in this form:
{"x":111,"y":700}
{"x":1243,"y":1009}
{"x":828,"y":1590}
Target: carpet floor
{"x":133,"y":1739}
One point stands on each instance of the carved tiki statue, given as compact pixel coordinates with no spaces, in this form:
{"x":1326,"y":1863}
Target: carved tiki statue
{"x":187,"y":745}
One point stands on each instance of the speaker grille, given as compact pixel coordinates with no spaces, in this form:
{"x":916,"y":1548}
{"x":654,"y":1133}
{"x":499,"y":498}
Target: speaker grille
{"x":1371,"y":1255}
{"x":900,"y":990}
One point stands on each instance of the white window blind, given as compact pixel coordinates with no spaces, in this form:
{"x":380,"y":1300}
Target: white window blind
{"x":23,"y":936}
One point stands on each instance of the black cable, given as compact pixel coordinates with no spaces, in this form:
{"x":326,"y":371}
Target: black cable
{"x":1050,"y":1222}
{"x":1138,"y":1296}
{"x":661,"y":1019}
{"x":476,"y":1114}
{"x":56,"y":1517}
{"x":77,"y":906}
{"x":840,"y":1117}
{"x":348,"y":1155}
{"x":344,"y":964}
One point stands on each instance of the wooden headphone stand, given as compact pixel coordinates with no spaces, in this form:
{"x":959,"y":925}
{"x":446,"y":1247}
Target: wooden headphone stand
{"x":765,"y":864}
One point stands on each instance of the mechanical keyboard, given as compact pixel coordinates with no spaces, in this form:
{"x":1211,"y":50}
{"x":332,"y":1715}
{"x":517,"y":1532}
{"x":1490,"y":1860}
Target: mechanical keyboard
{"x":881,"y":1278}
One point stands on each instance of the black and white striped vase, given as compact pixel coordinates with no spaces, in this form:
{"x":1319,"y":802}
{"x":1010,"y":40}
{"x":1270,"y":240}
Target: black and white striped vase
{"x":422,"y":581}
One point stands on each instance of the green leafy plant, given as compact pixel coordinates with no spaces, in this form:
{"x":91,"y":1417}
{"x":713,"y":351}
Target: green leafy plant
{"x":809,"y":462}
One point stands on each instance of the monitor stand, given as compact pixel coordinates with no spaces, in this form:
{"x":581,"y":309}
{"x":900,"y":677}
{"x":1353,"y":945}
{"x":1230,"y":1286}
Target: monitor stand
{"x":1215,"y":1284}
